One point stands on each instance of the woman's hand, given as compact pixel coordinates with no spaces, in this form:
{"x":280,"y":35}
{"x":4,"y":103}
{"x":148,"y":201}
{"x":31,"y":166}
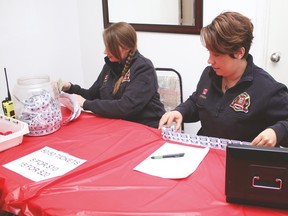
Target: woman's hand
{"x":62,"y":86}
{"x":79,"y":99}
{"x":266,"y":138}
{"x":169,"y":117}
{"x":65,"y":86}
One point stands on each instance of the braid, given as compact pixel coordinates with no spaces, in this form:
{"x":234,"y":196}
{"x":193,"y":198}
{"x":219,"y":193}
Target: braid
{"x":124,"y":71}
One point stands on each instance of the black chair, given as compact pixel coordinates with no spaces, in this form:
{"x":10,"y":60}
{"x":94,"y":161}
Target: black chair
{"x":170,"y":88}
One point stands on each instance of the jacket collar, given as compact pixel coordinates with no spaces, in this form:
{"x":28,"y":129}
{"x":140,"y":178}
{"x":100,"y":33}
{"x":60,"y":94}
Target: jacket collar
{"x":247,"y":76}
{"x":117,"y":67}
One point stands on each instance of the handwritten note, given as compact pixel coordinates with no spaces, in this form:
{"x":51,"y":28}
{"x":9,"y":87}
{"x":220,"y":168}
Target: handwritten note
{"x":44,"y":164}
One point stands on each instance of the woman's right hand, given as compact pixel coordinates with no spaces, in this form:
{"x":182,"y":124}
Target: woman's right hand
{"x":169,"y":117}
{"x":65,"y":86}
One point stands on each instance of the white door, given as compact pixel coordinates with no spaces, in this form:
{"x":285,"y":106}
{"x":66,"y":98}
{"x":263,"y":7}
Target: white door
{"x":277,"y":44}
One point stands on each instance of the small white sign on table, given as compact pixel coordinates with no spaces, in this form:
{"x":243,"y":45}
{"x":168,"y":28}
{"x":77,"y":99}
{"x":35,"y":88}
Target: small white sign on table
{"x":44,"y":164}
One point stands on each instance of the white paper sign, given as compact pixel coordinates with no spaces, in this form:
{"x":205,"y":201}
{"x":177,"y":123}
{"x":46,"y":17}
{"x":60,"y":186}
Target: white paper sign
{"x":174,"y":167}
{"x":44,"y":164}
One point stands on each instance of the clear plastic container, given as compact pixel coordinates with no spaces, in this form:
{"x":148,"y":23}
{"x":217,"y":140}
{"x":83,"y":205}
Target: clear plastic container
{"x":36,"y":102}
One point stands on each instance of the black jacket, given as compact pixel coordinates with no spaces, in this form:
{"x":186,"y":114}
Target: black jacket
{"x":255,"y":103}
{"x":137,"y":99}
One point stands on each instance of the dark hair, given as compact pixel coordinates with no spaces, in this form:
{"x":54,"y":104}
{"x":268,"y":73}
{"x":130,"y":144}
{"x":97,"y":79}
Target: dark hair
{"x":227,"y":33}
{"x":123,"y":35}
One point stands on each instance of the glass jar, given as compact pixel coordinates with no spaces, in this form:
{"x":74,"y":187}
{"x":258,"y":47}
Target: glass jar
{"x":36,"y":102}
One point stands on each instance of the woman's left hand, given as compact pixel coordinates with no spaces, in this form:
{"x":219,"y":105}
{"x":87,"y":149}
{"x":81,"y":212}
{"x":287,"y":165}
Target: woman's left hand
{"x":80,"y":99}
{"x":266,"y":138}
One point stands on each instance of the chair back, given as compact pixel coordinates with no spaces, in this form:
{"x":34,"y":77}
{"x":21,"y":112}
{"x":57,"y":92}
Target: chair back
{"x":170,"y":87}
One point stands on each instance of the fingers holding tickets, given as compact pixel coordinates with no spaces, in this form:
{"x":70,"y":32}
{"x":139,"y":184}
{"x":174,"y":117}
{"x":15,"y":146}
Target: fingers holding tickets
{"x":65,"y":86}
{"x":62,"y":86}
{"x":169,"y":117}
{"x":80,"y":99}
{"x":266,"y":138}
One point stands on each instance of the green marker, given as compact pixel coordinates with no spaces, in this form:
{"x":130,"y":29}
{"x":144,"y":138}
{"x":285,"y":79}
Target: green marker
{"x":168,"y":156}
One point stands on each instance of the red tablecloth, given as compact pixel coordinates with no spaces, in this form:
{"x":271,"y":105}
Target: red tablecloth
{"x":107,"y":184}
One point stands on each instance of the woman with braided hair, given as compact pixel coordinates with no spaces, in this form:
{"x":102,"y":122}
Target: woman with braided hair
{"x":127,"y":85}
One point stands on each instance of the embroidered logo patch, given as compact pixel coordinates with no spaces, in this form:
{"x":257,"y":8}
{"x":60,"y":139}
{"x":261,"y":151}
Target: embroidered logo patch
{"x":126,"y":77}
{"x":241,"y":102}
{"x":204,"y":93}
{"x":106,"y":78}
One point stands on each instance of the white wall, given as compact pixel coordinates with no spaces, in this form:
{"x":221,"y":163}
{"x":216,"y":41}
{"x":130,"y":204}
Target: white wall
{"x":39,"y":37}
{"x":63,"y":38}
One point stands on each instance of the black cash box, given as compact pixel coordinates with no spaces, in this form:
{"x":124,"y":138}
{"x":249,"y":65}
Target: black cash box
{"x":257,"y":175}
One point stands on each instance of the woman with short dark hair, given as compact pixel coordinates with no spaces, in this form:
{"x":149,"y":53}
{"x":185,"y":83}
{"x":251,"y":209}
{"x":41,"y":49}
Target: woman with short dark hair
{"x":234,"y":99}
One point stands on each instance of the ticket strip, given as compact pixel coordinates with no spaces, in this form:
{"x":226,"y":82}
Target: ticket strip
{"x":205,"y":141}
{"x":67,"y":100}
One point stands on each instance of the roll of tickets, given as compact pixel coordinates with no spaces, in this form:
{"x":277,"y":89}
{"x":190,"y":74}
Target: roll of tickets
{"x":205,"y":141}
{"x":42,"y":113}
